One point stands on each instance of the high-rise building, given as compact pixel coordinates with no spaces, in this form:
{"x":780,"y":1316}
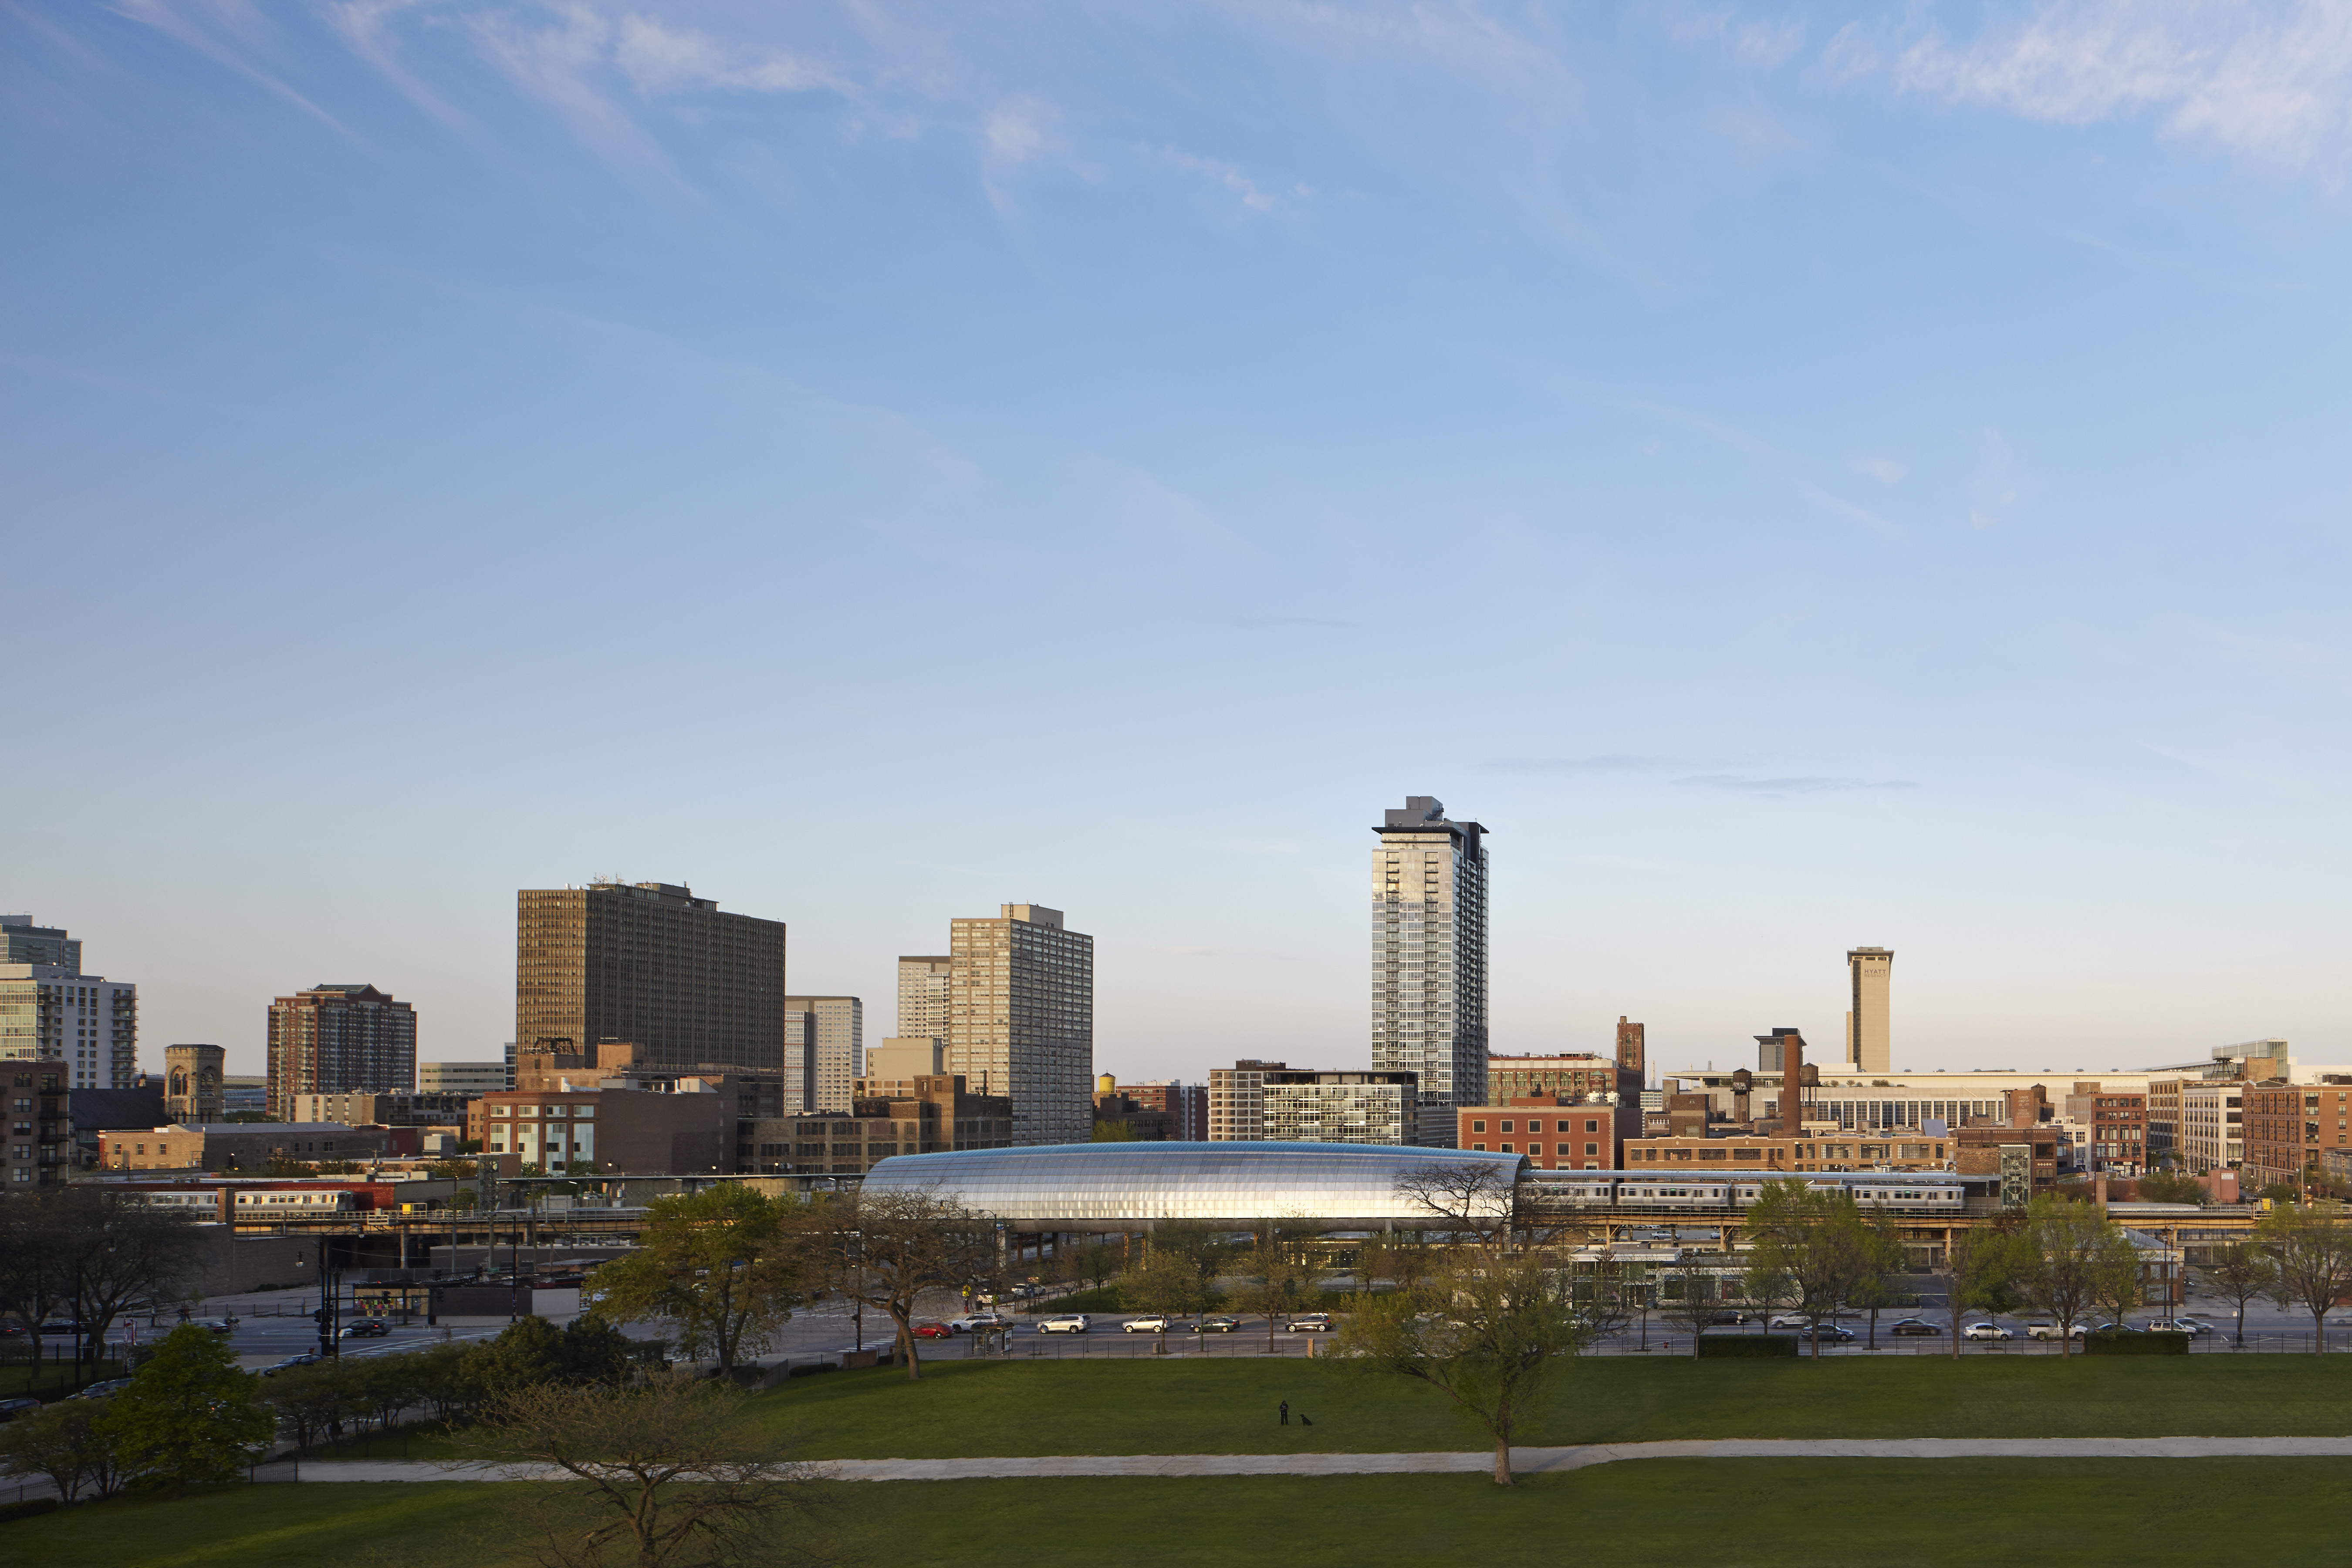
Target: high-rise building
{"x":1021,"y":1021}
{"x":1866,"y":1040}
{"x":193,"y":1091}
{"x":1237,"y":1101}
{"x":1429,"y":960}
{"x":924,"y":986}
{"x":50,"y":1009}
{"x":1255,"y":1100}
{"x":824,"y":1051}
{"x":40,"y":1152}
{"x":649,"y":964}
{"x":335,"y":1037}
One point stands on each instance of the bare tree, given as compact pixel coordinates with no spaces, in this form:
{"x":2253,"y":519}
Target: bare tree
{"x":2241,"y":1270}
{"x":1980,"y":1269}
{"x":887,"y":1248}
{"x":1472,"y":1201}
{"x":1689,"y":1302}
{"x":1281,"y":1275}
{"x":2314,"y":1258}
{"x":660,"y":1476}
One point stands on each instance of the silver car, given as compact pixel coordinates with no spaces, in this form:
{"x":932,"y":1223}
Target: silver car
{"x":1067,"y":1323}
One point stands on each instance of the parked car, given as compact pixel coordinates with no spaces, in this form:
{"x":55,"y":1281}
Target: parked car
{"x":932,"y":1331}
{"x":2119,"y":1329}
{"x":11,"y":1409}
{"x":1986,"y":1331}
{"x":1066,"y":1323}
{"x":1216,"y":1323}
{"x":1914,"y":1326}
{"x":60,"y":1329}
{"x":1837,"y":1334}
{"x":1021,"y":1292}
{"x":1731,"y":1317}
{"x":107,"y":1390}
{"x":1309,"y":1323}
{"x":2192,"y":1325}
{"x":971,"y":1321}
{"x":2189,"y":1326}
{"x":308,"y":1358}
{"x":2050,"y":1331}
{"x":1144,"y":1326}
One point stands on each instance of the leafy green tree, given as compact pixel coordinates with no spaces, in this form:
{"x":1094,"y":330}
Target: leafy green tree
{"x":316,"y":1400}
{"x":1881,"y":1284}
{"x":2171,"y":1187}
{"x":2068,"y":1257}
{"x":2241,"y":1270}
{"x":1489,"y":1330}
{"x":1280,"y":1273}
{"x":1980,"y":1269}
{"x":1164,"y":1284}
{"x":2312,"y":1251}
{"x":1114,"y":1132}
{"x":66,"y":1443}
{"x":191,"y":1417}
{"x":726,"y":1265}
{"x":1812,"y":1246}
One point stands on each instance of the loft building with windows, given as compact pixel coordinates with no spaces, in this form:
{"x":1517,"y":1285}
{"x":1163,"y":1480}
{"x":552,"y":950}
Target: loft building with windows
{"x":1429,"y":960}
{"x":651,"y":965}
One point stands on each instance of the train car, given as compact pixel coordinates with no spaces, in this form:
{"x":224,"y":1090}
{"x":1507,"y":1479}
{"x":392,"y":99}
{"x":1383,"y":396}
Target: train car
{"x":295,"y":1201}
{"x":1929,"y":1192}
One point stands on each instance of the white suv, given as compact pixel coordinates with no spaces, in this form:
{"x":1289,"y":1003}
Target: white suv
{"x":1145,"y":1326}
{"x":1067,"y":1324}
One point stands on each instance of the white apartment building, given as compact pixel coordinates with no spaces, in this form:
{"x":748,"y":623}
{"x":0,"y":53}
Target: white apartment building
{"x":1237,"y":1101}
{"x":49,"y":1007}
{"x":1021,"y":1022}
{"x":1429,"y":960}
{"x":2213,"y":1127}
{"x":461,"y":1078}
{"x":1340,"y":1107}
{"x":925,"y":985}
{"x":824,"y":1051}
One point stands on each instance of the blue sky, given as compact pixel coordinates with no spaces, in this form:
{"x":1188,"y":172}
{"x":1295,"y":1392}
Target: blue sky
{"x":1802,"y":477}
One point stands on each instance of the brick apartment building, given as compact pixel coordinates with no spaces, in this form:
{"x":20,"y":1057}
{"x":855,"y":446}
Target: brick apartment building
{"x":237,"y":1148}
{"x":2113,"y":1127}
{"x":689,"y":1132}
{"x":1554,"y":1131}
{"x":2291,"y":1127}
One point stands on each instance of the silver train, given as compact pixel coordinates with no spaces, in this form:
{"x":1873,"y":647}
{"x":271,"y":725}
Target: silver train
{"x":1919,"y":1192}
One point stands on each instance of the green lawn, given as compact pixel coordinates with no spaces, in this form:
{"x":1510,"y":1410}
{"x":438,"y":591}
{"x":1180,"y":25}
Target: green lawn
{"x":1228,"y":1406}
{"x":1219,"y":1407}
{"x":1819,"y":1514}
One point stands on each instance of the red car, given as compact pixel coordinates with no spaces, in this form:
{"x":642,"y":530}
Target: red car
{"x":933,"y":1332}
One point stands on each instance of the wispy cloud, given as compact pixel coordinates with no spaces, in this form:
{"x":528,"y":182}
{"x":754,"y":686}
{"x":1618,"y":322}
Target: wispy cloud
{"x":2269,"y":80}
{"x":1886,"y":470}
{"x":1600,"y":764}
{"x":1801,"y":785}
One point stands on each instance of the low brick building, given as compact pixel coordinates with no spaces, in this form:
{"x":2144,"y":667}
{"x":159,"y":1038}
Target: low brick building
{"x":1556,"y":1132}
{"x":924,"y":1115}
{"x":1978,"y":1151}
{"x":2291,"y":1127}
{"x":236,"y":1148}
{"x":610,"y":1131}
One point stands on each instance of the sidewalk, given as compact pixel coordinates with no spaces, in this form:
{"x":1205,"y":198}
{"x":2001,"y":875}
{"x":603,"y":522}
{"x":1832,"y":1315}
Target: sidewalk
{"x":1523,"y":1460}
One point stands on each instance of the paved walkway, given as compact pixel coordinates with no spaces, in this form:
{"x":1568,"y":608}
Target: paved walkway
{"x":1525,"y":1461}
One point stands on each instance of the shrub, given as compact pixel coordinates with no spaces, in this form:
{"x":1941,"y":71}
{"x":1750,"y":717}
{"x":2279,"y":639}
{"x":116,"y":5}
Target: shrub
{"x":2156,"y":1343}
{"x":27,"y":1509}
{"x":1748,"y":1347}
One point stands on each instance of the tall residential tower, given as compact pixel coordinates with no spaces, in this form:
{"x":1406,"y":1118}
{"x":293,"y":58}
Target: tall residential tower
{"x":1021,"y":1005}
{"x":1868,"y":969}
{"x":1429,"y":960}
{"x":49,"y":1008}
{"x":824,"y":1052}
{"x":332,"y":1038}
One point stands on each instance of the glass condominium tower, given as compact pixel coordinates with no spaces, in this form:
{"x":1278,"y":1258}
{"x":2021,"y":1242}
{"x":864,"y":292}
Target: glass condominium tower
{"x":1429,"y":960}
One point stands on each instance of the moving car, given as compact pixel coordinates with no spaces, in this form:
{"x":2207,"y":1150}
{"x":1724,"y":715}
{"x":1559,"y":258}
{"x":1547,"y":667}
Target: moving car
{"x":971,"y":1321}
{"x":1144,"y":1326}
{"x":1730,"y":1317}
{"x":1066,"y":1323}
{"x":365,"y":1329}
{"x":2191,"y":1326}
{"x":932,"y":1331}
{"x":1836,"y":1334}
{"x":2050,"y":1331}
{"x":1216,"y":1323}
{"x":1309,"y":1323}
{"x":1986,"y":1331}
{"x":107,"y":1390}
{"x":308,"y":1358}
{"x":1913,"y":1326}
